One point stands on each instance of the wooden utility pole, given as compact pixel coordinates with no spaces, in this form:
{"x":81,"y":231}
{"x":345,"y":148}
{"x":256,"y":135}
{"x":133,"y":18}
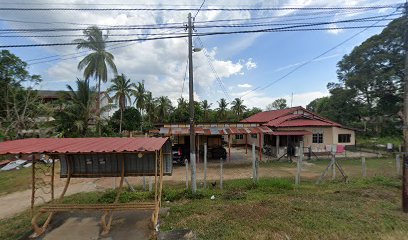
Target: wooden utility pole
{"x":191,"y":105}
{"x":405,"y":119}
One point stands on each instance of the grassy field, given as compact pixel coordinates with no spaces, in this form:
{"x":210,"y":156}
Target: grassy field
{"x":16,"y":180}
{"x":272,"y":209}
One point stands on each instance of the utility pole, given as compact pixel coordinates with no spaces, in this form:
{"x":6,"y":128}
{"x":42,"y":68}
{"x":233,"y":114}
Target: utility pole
{"x":191,"y":103}
{"x":405,"y":118}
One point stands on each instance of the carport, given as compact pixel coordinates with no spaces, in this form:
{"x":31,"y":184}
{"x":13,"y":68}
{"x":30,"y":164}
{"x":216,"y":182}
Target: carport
{"x":94,"y":158}
{"x":206,"y":131}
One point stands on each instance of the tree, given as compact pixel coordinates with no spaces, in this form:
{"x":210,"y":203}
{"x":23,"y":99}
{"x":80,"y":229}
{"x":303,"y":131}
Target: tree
{"x":222,"y":109}
{"x":206,"y":108}
{"x":79,"y":111}
{"x":278,"y":104}
{"x":19,"y":106}
{"x":150,"y":106}
{"x":251,"y":112}
{"x":122,"y":89}
{"x":238,"y":107}
{"x":96,"y":63}
{"x":369,"y":91}
{"x":163,"y":108}
{"x":131,"y":119}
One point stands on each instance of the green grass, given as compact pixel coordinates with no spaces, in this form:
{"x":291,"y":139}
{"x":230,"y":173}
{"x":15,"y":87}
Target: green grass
{"x":15,"y":180}
{"x":275,"y":209}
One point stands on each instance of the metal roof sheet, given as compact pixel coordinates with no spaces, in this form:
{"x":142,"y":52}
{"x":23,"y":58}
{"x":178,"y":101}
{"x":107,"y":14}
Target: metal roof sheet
{"x":307,"y":122}
{"x":267,"y":116}
{"x":290,"y":133}
{"x":81,"y":145}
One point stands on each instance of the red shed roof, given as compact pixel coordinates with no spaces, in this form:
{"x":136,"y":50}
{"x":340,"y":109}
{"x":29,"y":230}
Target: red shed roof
{"x":267,"y":116}
{"x":81,"y":145}
{"x":307,"y":122}
{"x":290,"y":133}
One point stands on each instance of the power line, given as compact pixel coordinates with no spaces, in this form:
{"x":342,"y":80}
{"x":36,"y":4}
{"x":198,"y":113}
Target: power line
{"x":217,"y":77}
{"x":313,"y":59}
{"x":206,"y":9}
{"x":287,"y":29}
{"x":185,"y":76}
{"x":202,"y":26}
{"x":199,"y":9}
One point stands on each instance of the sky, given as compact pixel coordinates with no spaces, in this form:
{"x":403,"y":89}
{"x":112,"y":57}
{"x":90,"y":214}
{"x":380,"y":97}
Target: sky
{"x":250,"y":66}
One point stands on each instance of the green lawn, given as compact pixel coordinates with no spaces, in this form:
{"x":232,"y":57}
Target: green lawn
{"x":15,"y":180}
{"x":273,"y":209}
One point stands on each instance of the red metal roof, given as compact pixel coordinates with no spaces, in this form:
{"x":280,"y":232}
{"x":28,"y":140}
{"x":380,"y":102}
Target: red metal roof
{"x":215,"y":130}
{"x":290,"y":133}
{"x":307,"y":122}
{"x":81,"y":145}
{"x":267,"y":116}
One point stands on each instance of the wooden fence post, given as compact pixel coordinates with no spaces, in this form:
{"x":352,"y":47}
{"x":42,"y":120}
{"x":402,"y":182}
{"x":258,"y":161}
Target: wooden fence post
{"x":253,"y":163}
{"x":334,"y":167}
{"x":186,"y":163}
{"x":299,"y":163}
{"x":205,"y":165}
{"x":398,"y":164}
{"x":221,"y":173}
{"x":363,"y":163}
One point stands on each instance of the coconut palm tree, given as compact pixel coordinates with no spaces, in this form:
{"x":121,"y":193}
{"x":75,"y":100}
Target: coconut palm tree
{"x":122,"y":89}
{"x":79,"y":111}
{"x":140,"y":96}
{"x":206,"y":109}
{"x":238,"y":107}
{"x":96,"y":63}
{"x":150,"y":106}
{"x":163,"y":107}
{"x":222,"y":109}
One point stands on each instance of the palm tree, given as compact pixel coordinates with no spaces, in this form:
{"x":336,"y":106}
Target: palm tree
{"x":163,"y":107}
{"x":140,"y":96}
{"x":80,"y":109}
{"x":95,"y":63}
{"x":122,"y":89}
{"x":222,"y":108}
{"x":238,"y":107}
{"x":150,"y":106}
{"x":206,"y":108}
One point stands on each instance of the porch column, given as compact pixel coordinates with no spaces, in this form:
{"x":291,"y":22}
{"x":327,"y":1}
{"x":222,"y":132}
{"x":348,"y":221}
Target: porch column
{"x":277,"y":146}
{"x":198,"y":148}
{"x":246,"y":144}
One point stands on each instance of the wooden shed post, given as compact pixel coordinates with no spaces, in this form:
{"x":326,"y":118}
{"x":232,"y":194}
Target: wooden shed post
{"x":198,"y":149}
{"x":277,"y":146}
{"x":52,"y":178}
{"x":32,"y":184}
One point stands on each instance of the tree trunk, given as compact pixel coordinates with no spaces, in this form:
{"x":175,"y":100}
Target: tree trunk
{"x":98,"y":106}
{"x":121,"y":119}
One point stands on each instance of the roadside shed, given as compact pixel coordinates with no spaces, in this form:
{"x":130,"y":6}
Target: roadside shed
{"x":94,"y":158}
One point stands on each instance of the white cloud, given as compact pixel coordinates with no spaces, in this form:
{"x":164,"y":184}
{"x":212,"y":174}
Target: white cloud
{"x":245,"y":85}
{"x":250,"y":64}
{"x":260,"y":99}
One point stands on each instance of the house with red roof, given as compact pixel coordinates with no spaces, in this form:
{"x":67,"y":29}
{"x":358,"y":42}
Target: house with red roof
{"x":292,"y":125}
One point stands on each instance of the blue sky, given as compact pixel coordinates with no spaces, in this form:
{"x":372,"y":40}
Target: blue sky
{"x":242,"y":61}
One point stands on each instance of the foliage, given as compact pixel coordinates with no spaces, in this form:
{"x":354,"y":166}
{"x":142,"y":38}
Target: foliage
{"x":131,"y":119}
{"x":238,"y":107}
{"x":79,"y":110}
{"x":278,"y":104}
{"x":122,"y":89}
{"x":20,"y":106}
{"x":369,"y":92}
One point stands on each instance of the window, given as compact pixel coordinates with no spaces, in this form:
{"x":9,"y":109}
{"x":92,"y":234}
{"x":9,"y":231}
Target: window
{"x":317,"y":138}
{"x":239,"y":136}
{"x":344,"y":138}
{"x":254,"y":135}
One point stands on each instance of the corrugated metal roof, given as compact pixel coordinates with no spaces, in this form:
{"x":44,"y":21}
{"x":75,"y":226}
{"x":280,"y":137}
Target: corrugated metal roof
{"x":264,"y":117}
{"x":81,"y":145}
{"x":290,"y":133}
{"x":215,"y":130}
{"x":307,"y":122}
